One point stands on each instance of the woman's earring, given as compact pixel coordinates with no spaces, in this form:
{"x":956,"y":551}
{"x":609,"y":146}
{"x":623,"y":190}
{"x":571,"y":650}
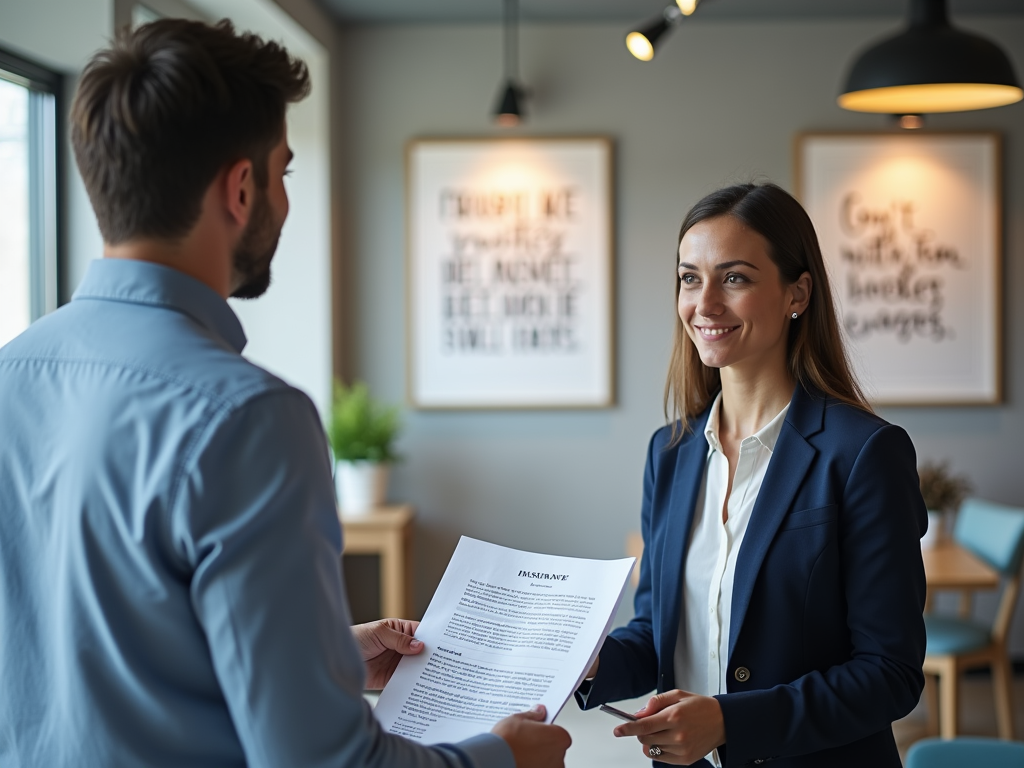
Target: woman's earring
{"x":795,"y":315}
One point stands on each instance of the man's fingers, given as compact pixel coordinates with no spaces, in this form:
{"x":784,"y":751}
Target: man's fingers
{"x":395,"y":640}
{"x":538,"y":713}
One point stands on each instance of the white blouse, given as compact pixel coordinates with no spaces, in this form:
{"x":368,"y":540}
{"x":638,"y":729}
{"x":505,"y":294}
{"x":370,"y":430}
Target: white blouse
{"x":702,"y":643}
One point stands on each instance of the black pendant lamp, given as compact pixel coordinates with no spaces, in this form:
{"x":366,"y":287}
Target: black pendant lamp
{"x":510,"y":108}
{"x":930,"y":67}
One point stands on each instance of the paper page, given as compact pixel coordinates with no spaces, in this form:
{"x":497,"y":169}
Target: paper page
{"x":504,"y":631}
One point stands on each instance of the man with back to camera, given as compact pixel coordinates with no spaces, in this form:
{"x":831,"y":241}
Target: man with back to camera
{"x":170,"y":588}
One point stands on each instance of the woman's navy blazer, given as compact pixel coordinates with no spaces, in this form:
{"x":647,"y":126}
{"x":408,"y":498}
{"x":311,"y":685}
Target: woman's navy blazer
{"x":827,"y":637}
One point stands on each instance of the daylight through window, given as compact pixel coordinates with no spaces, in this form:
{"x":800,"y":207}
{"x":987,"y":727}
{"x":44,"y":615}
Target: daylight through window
{"x":28,"y":194}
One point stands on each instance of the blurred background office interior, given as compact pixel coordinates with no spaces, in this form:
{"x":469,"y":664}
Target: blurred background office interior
{"x":724,"y":98}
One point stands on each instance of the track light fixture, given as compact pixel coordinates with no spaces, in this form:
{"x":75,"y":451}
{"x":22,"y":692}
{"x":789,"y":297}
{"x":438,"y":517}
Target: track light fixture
{"x":641,"y":42}
{"x":510,"y":110}
{"x":930,"y":67}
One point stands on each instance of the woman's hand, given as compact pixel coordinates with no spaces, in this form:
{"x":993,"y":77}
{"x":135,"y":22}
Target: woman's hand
{"x":684,"y":726}
{"x":383,"y":644}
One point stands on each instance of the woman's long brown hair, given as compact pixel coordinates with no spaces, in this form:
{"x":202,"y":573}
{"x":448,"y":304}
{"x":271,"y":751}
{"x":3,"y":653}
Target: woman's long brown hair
{"x":817,"y":358}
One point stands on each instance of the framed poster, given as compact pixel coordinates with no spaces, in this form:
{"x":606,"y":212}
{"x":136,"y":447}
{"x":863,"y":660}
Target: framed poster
{"x":909,"y":225}
{"x":510,"y":273}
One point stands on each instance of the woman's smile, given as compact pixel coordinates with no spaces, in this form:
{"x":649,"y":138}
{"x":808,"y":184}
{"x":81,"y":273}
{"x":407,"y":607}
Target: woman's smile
{"x":715,"y":332}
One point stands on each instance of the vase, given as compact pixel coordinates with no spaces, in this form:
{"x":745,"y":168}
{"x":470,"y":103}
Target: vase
{"x":935,"y":535}
{"x":362,"y":486}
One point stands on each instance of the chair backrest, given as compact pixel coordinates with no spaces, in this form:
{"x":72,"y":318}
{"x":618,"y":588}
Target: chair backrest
{"x":993,"y":532}
{"x":955,"y":753}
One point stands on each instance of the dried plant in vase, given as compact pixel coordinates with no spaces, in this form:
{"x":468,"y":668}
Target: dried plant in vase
{"x":943,"y":492}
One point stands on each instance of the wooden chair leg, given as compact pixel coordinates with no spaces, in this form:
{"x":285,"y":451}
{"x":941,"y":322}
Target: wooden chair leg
{"x":1002,"y":685}
{"x":931,"y":703}
{"x":949,"y":698}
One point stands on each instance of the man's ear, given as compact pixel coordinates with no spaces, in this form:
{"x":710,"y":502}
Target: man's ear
{"x":239,"y":192}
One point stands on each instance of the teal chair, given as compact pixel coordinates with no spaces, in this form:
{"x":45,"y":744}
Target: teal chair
{"x":956,"y":753}
{"x":995,"y":534}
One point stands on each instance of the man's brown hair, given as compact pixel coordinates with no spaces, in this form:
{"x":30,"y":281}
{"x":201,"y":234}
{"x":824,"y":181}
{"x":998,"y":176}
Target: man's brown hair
{"x":158,"y":114}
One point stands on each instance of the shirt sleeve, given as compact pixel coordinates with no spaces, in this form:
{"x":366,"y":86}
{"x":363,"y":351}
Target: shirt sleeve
{"x":255,"y":518}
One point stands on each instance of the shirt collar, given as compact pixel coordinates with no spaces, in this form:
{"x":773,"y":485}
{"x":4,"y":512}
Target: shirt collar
{"x":767,"y":436}
{"x":142,"y":282}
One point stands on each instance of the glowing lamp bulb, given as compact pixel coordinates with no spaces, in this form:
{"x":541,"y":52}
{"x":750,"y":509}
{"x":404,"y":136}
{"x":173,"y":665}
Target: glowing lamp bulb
{"x":640,"y":46}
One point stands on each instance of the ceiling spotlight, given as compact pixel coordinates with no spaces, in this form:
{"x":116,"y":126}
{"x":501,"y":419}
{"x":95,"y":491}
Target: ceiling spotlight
{"x":687,"y":6}
{"x":930,"y":67}
{"x":509,"y":110}
{"x":641,"y":42}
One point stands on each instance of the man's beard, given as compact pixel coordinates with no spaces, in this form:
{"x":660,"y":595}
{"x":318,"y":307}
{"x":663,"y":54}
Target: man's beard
{"x":255,"y":250}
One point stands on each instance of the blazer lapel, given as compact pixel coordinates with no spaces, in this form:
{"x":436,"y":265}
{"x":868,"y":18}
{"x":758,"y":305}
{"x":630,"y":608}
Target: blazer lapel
{"x":789,"y":465}
{"x":686,"y":482}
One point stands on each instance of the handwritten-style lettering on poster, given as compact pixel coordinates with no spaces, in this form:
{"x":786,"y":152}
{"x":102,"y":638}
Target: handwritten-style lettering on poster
{"x":908,"y":226}
{"x":510,"y":273}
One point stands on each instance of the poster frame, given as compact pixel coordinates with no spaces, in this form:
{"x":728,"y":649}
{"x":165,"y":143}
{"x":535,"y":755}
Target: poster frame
{"x":993,"y":326}
{"x":606,"y":261}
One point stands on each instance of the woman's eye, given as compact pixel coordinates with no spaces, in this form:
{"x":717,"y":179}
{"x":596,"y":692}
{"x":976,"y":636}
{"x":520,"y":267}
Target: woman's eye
{"x":734,"y":278}
{"x":687,"y":278}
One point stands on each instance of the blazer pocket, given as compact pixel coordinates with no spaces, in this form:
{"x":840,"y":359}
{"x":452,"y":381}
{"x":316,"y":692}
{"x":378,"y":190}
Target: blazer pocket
{"x":805,"y":518}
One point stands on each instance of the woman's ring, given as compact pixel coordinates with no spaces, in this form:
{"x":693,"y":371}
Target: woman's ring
{"x":654,"y":751}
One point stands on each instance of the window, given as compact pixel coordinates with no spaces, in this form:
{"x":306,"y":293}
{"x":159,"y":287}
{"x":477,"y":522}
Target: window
{"x":28,"y":193}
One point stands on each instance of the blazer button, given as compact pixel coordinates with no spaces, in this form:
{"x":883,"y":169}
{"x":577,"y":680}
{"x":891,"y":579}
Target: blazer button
{"x":742,"y":674}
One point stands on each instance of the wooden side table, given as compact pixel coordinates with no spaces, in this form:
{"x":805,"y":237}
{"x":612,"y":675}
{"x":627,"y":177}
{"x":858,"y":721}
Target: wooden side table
{"x":386,"y":532}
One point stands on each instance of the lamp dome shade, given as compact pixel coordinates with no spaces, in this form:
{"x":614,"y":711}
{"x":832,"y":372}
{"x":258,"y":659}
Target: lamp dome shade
{"x":931,"y":67}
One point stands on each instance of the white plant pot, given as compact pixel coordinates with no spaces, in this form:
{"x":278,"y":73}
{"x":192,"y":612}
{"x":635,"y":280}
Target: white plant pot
{"x":935,"y":534}
{"x":362,"y":486}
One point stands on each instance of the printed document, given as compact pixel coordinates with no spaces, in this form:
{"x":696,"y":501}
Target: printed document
{"x":504,"y":631}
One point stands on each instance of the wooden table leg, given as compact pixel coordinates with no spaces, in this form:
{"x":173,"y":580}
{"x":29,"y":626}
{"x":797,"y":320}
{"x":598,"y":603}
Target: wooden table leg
{"x":948,"y":709}
{"x":407,"y":582}
{"x":931,"y":702}
{"x":391,"y":577}
{"x":1002,"y":686}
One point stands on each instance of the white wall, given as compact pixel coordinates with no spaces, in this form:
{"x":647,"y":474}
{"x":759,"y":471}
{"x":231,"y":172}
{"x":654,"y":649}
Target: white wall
{"x":721,"y":103}
{"x":289,"y":329}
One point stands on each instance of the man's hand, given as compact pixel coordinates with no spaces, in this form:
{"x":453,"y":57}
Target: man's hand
{"x":534,"y":744}
{"x":383,"y":644}
{"x":684,"y":726}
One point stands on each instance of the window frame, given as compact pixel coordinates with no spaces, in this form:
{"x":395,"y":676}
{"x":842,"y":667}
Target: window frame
{"x":45,"y":178}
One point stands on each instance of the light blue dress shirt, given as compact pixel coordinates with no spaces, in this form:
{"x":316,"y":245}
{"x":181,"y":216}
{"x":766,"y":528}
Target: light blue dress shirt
{"x":170,"y":587}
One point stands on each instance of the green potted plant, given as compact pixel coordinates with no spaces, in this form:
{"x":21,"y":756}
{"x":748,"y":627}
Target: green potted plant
{"x":361,"y":432}
{"x":943,"y":493}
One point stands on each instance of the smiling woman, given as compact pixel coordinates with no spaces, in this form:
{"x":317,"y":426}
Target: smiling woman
{"x":778,"y":612}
